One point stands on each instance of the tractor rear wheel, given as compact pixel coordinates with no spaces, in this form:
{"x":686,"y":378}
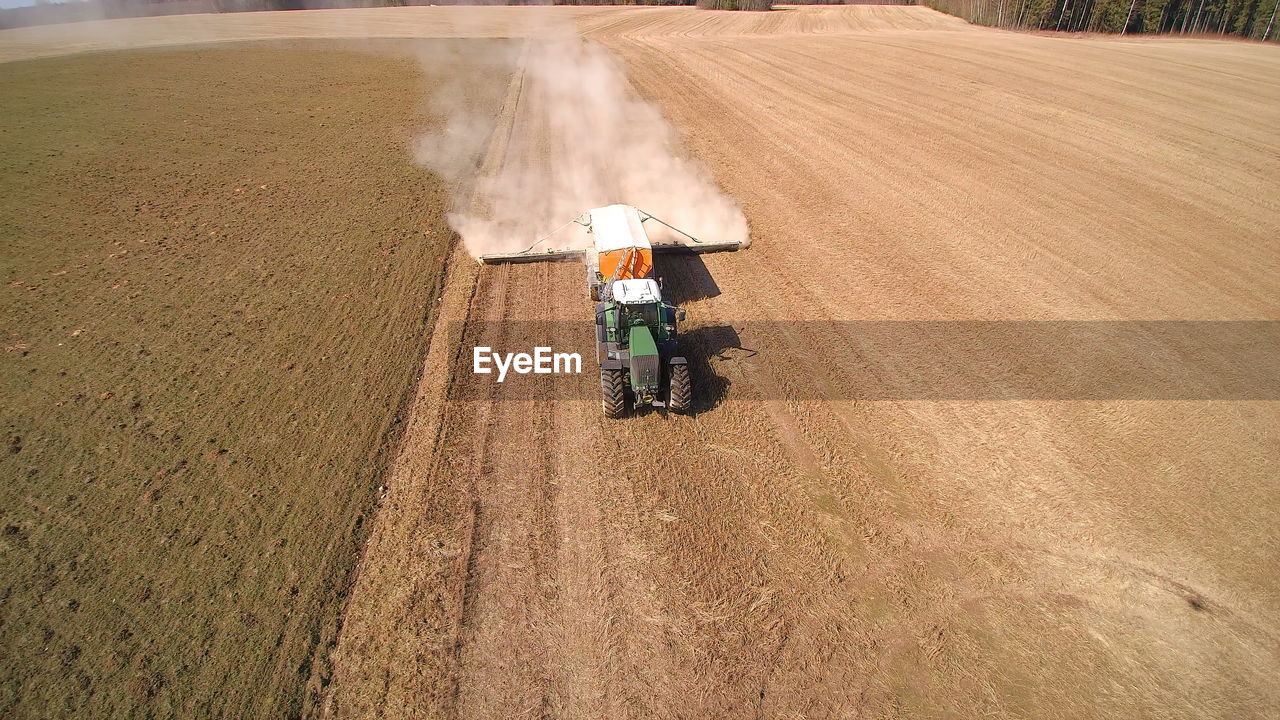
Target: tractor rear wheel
{"x":681,"y":399}
{"x":613,"y":394}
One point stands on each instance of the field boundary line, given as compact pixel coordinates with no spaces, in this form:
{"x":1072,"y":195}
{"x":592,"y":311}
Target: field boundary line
{"x":428,"y":413}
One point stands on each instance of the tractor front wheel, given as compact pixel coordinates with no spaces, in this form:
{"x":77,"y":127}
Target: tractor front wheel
{"x":681,"y":399}
{"x":613,"y":394}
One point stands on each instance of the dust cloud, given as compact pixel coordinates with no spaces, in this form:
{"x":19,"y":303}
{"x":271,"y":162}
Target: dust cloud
{"x":580,"y":138}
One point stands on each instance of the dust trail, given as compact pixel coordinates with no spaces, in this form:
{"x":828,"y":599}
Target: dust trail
{"x":582,"y":139}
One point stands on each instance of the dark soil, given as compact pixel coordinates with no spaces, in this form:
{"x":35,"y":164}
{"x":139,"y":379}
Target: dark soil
{"x":219,"y":270}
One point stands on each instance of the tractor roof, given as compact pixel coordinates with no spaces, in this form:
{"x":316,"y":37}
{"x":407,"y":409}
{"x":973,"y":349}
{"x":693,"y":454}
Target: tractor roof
{"x":636,"y":292}
{"x":616,"y":227}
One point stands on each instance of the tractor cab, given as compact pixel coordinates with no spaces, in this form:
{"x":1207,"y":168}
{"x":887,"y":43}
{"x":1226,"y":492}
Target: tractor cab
{"x":636,"y":292}
{"x":638,"y":302}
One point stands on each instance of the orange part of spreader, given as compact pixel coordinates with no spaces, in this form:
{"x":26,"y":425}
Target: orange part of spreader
{"x":627,"y":263}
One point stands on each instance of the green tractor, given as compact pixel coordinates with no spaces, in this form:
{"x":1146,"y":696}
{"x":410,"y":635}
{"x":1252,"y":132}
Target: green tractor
{"x":636,"y":344}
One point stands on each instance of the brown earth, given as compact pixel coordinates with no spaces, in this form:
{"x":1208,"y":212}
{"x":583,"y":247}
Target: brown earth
{"x":782,"y":556}
{"x":218,"y":284}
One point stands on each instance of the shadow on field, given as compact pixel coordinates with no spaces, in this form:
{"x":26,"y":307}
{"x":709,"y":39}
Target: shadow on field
{"x":684,"y":278}
{"x":704,"y":346}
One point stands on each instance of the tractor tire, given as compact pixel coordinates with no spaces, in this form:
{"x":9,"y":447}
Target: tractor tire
{"x":613,"y":394}
{"x":681,"y":399}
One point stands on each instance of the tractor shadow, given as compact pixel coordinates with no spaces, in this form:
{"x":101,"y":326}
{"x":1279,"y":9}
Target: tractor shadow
{"x":705,"y":347}
{"x":685,"y":278}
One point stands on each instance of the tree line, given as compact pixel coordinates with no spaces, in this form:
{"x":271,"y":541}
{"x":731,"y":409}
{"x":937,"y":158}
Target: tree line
{"x":1254,"y":19}
{"x":735,"y":4}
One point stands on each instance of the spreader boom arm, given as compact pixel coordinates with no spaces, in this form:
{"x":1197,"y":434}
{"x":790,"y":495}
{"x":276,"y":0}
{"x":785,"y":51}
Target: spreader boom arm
{"x":529,"y":256}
